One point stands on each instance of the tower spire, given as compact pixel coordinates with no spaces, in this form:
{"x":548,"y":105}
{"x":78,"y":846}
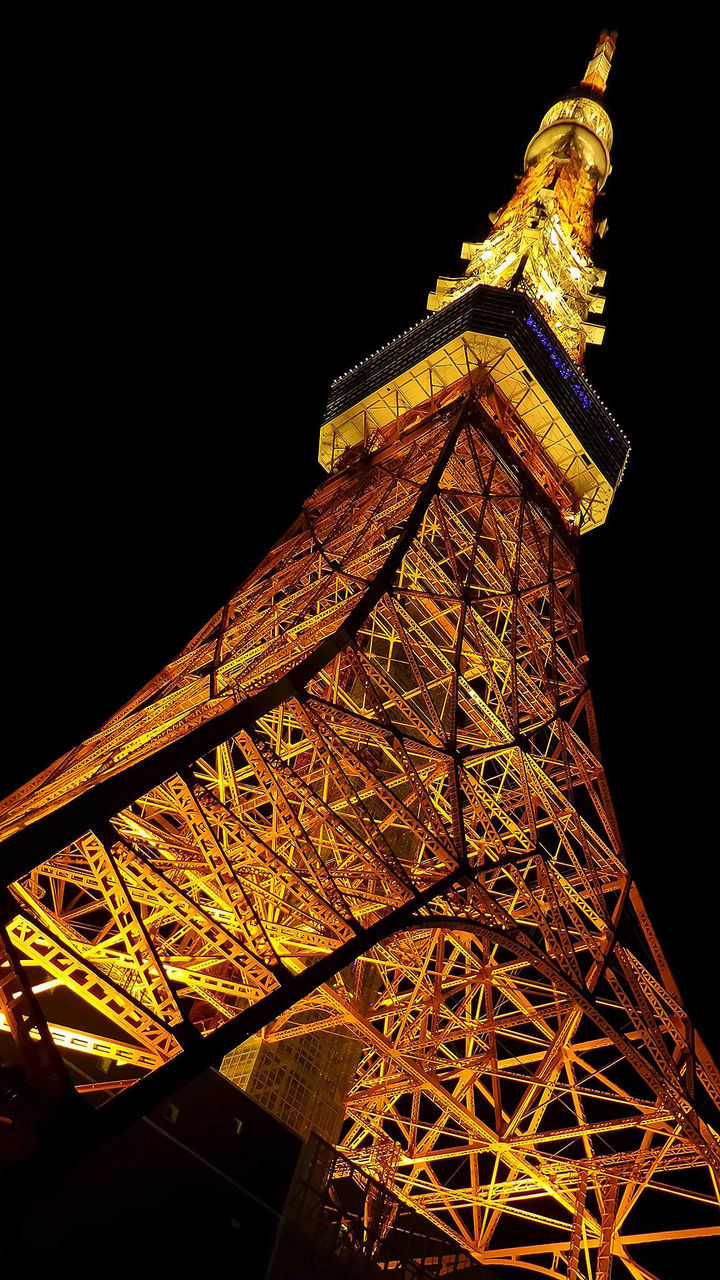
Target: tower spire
{"x":598,"y":68}
{"x":541,"y":239}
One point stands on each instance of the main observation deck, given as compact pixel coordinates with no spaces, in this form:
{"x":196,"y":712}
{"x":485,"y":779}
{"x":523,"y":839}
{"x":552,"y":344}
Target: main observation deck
{"x":503,"y":330}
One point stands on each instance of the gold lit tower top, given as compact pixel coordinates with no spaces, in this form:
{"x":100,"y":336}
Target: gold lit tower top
{"x":522,"y":309}
{"x":541,"y":240}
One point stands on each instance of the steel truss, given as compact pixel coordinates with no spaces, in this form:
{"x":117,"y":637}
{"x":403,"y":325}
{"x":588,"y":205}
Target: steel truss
{"x":370,"y":790}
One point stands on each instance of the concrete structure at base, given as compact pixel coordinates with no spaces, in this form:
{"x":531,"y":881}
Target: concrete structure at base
{"x":301,"y":1080}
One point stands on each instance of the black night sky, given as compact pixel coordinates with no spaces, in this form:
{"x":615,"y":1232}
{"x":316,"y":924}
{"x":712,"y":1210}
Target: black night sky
{"x":216,"y":223}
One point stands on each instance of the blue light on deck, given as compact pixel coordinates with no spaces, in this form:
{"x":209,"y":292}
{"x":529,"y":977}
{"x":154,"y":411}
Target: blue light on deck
{"x":561,"y":365}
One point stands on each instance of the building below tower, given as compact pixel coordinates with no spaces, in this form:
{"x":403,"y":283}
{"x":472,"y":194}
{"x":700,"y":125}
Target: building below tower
{"x":301,"y":1080}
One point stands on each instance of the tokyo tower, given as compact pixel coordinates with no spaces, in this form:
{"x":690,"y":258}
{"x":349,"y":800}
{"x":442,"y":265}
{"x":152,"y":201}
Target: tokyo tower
{"x":356,"y":841}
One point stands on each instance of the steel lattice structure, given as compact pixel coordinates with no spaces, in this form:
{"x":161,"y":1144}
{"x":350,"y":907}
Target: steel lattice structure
{"x":367,"y":800}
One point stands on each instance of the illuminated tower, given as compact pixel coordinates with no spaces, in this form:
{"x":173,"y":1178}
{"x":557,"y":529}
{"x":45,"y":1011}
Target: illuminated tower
{"x":365,"y":804}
